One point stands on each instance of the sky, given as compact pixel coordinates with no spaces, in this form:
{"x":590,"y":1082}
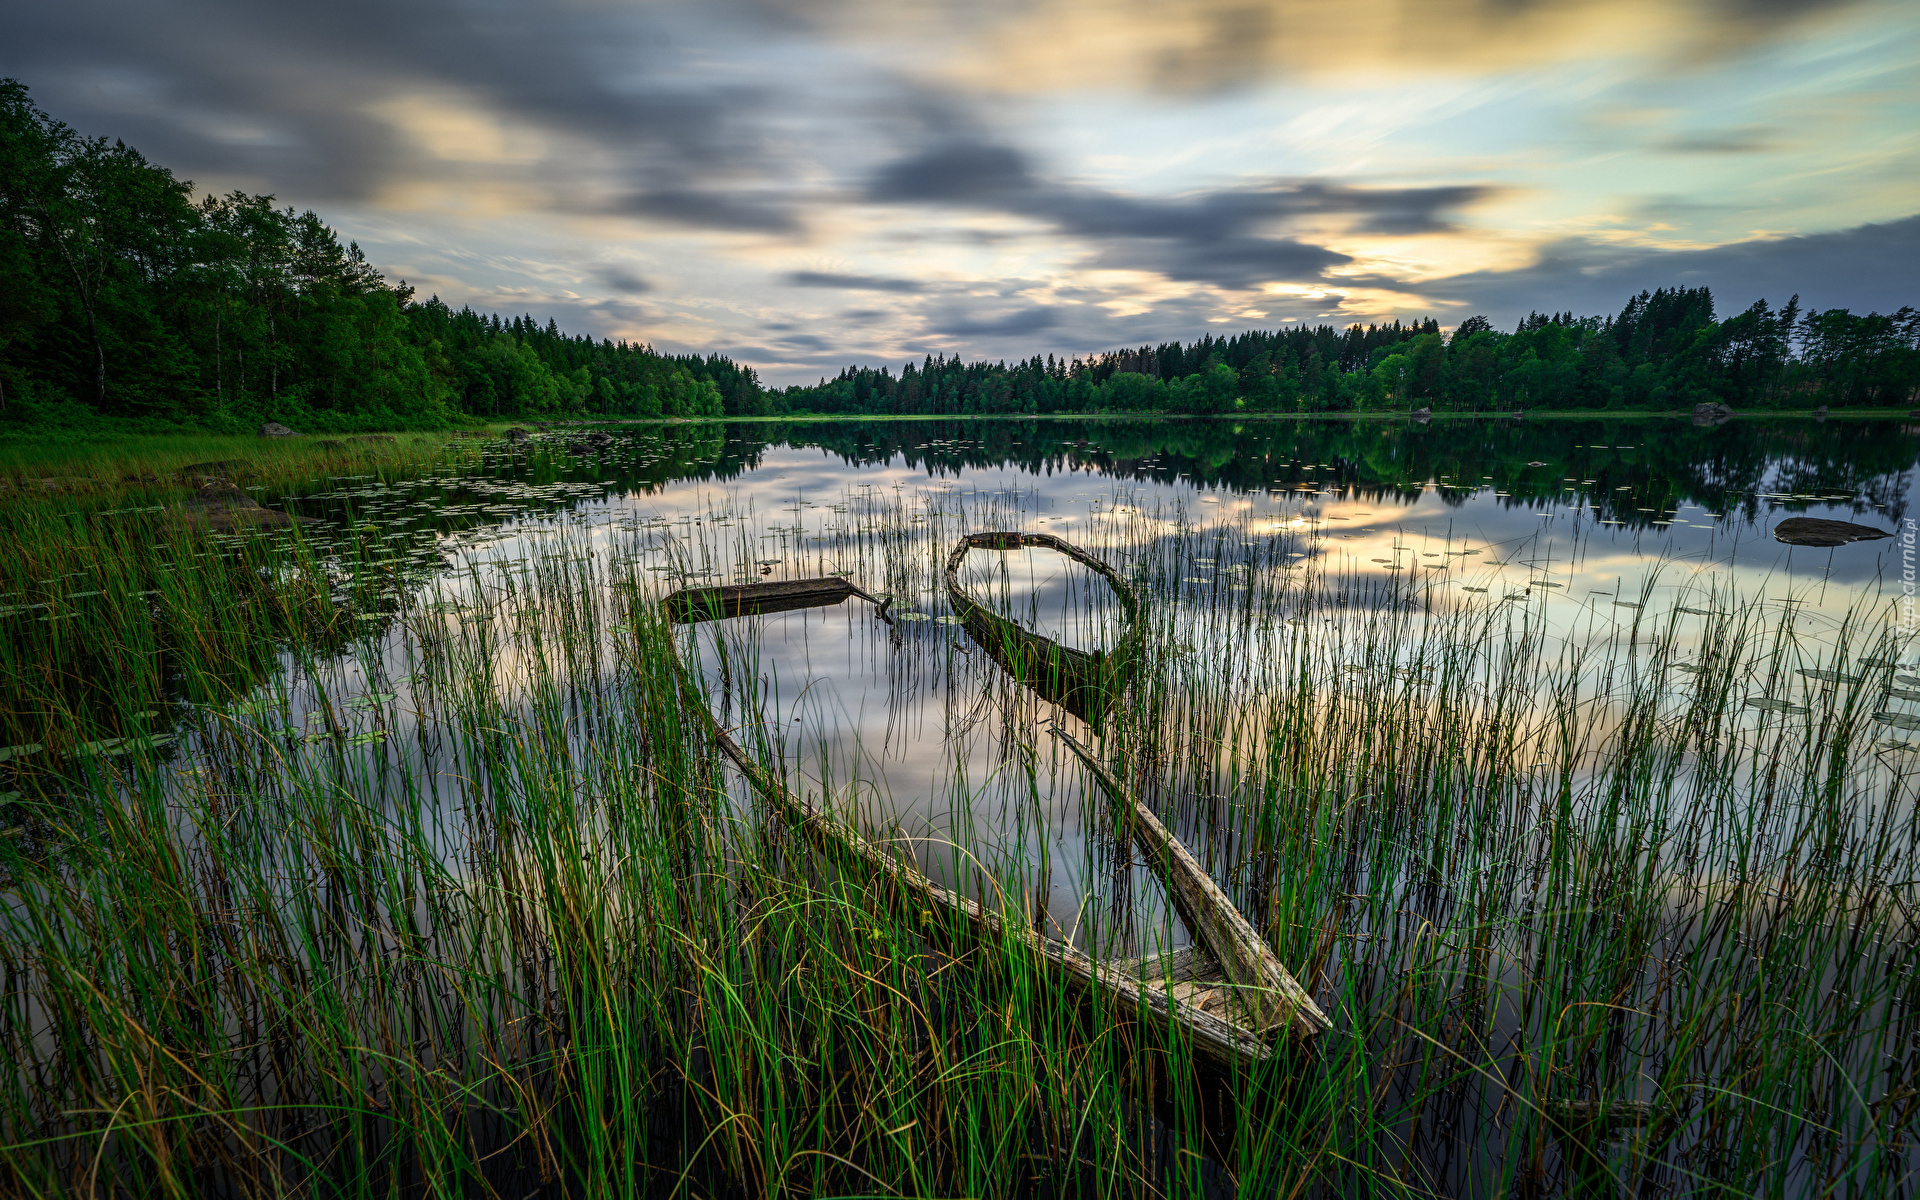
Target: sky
{"x":808,"y":184}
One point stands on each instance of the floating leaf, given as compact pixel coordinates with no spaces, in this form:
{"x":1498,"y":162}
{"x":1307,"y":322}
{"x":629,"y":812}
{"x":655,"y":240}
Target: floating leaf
{"x":910,"y":616}
{"x":110,"y":746}
{"x":1474,"y":589}
{"x":1627,"y":604}
{"x":1543,"y":583}
{"x":1826,"y":676}
{"x":1904,"y":694}
{"x":1698,"y":612}
{"x":9,"y":753}
{"x":1907,"y":721}
{"x":1768,"y":704}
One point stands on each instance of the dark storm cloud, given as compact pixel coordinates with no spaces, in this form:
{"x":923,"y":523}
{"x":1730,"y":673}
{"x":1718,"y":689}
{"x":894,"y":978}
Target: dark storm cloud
{"x":855,"y":283}
{"x":281,"y":91}
{"x":1219,"y":237}
{"x":1869,"y":267}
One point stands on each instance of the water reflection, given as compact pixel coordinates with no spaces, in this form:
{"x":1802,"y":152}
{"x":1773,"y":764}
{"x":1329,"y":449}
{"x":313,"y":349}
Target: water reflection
{"x":1255,"y":543}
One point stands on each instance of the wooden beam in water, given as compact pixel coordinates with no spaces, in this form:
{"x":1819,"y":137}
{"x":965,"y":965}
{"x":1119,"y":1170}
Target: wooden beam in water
{"x":1221,"y":1043}
{"x":1271,"y":995}
{"x":720,"y":603}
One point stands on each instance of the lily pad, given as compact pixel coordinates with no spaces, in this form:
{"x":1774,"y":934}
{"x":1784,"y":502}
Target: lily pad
{"x":1904,"y":694}
{"x":123,"y":745}
{"x":1826,"y":676}
{"x":911,"y":616}
{"x":1908,"y":721}
{"x":1768,"y":704}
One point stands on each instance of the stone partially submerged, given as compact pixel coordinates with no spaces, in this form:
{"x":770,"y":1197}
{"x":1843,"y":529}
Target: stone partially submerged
{"x":223,"y":508}
{"x":1818,"y":531}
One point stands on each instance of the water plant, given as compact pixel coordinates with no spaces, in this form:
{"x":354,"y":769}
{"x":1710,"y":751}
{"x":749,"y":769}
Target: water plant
{"x":421,"y":877}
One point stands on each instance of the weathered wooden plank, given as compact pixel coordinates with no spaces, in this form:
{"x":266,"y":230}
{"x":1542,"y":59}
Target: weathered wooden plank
{"x":1220,"y":1042}
{"x":720,"y":603}
{"x":1085,"y":684}
{"x":1271,"y":995}
{"x":1185,"y":965}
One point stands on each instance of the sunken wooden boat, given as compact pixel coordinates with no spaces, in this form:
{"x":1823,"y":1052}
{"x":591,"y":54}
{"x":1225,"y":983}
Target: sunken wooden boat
{"x":1228,"y":998}
{"x":1085,"y":683}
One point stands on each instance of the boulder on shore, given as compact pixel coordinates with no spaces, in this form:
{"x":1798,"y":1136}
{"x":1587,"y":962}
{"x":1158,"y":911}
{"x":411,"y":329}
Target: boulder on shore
{"x":225,"y":469}
{"x":1818,"y":531}
{"x":275,"y":429}
{"x":1711,"y":413}
{"x":223,"y":508}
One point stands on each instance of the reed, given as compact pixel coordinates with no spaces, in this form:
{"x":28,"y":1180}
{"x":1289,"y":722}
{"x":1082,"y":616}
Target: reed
{"x":422,"y":880}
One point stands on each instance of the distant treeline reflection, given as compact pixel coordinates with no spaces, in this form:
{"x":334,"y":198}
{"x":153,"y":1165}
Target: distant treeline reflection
{"x":1622,"y":466}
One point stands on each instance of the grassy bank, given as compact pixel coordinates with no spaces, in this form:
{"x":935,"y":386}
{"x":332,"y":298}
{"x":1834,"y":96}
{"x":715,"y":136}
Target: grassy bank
{"x":428,"y":887}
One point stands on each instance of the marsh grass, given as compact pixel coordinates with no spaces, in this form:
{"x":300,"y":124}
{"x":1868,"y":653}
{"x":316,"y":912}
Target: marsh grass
{"x":460,"y":903}
{"x":152,"y":469}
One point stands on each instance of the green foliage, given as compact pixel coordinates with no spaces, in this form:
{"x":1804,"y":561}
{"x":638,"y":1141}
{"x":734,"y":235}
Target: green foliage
{"x":1663,"y":351}
{"x":123,"y":302}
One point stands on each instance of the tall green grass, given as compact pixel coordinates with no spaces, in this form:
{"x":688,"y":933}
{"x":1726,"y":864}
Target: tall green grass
{"x":457,"y":902}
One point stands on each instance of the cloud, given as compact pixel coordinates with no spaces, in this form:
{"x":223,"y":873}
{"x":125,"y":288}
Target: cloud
{"x":1018,"y":322}
{"x":301,"y":96}
{"x":957,"y":173}
{"x":856,"y":283}
{"x":1220,"y":237}
{"x":1203,"y":47}
{"x":622,"y":280}
{"x":1748,"y":139}
{"x":712,"y":210}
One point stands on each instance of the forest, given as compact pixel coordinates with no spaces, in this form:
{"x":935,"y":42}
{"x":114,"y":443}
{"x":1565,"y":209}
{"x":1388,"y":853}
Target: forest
{"x":1665,"y":350}
{"x":126,"y":301}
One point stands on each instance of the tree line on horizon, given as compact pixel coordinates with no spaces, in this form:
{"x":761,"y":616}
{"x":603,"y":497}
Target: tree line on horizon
{"x":1663,"y":351}
{"x":123,"y":299}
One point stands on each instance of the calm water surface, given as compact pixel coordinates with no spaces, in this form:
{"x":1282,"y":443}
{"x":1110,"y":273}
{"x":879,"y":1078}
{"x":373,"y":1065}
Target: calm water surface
{"x":1265,"y":549}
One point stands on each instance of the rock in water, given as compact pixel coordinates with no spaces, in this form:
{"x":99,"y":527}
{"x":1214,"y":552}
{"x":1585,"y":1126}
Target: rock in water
{"x":275,"y":429}
{"x":515,"y":434}
{"x":1817,"y":531}
{"x":1710,"y":414}
{"x":225,"y":470}
{"x":223,"y":508}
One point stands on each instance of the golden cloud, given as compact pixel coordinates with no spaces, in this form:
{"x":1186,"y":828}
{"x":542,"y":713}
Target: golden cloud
{"x":1208,"y":45}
